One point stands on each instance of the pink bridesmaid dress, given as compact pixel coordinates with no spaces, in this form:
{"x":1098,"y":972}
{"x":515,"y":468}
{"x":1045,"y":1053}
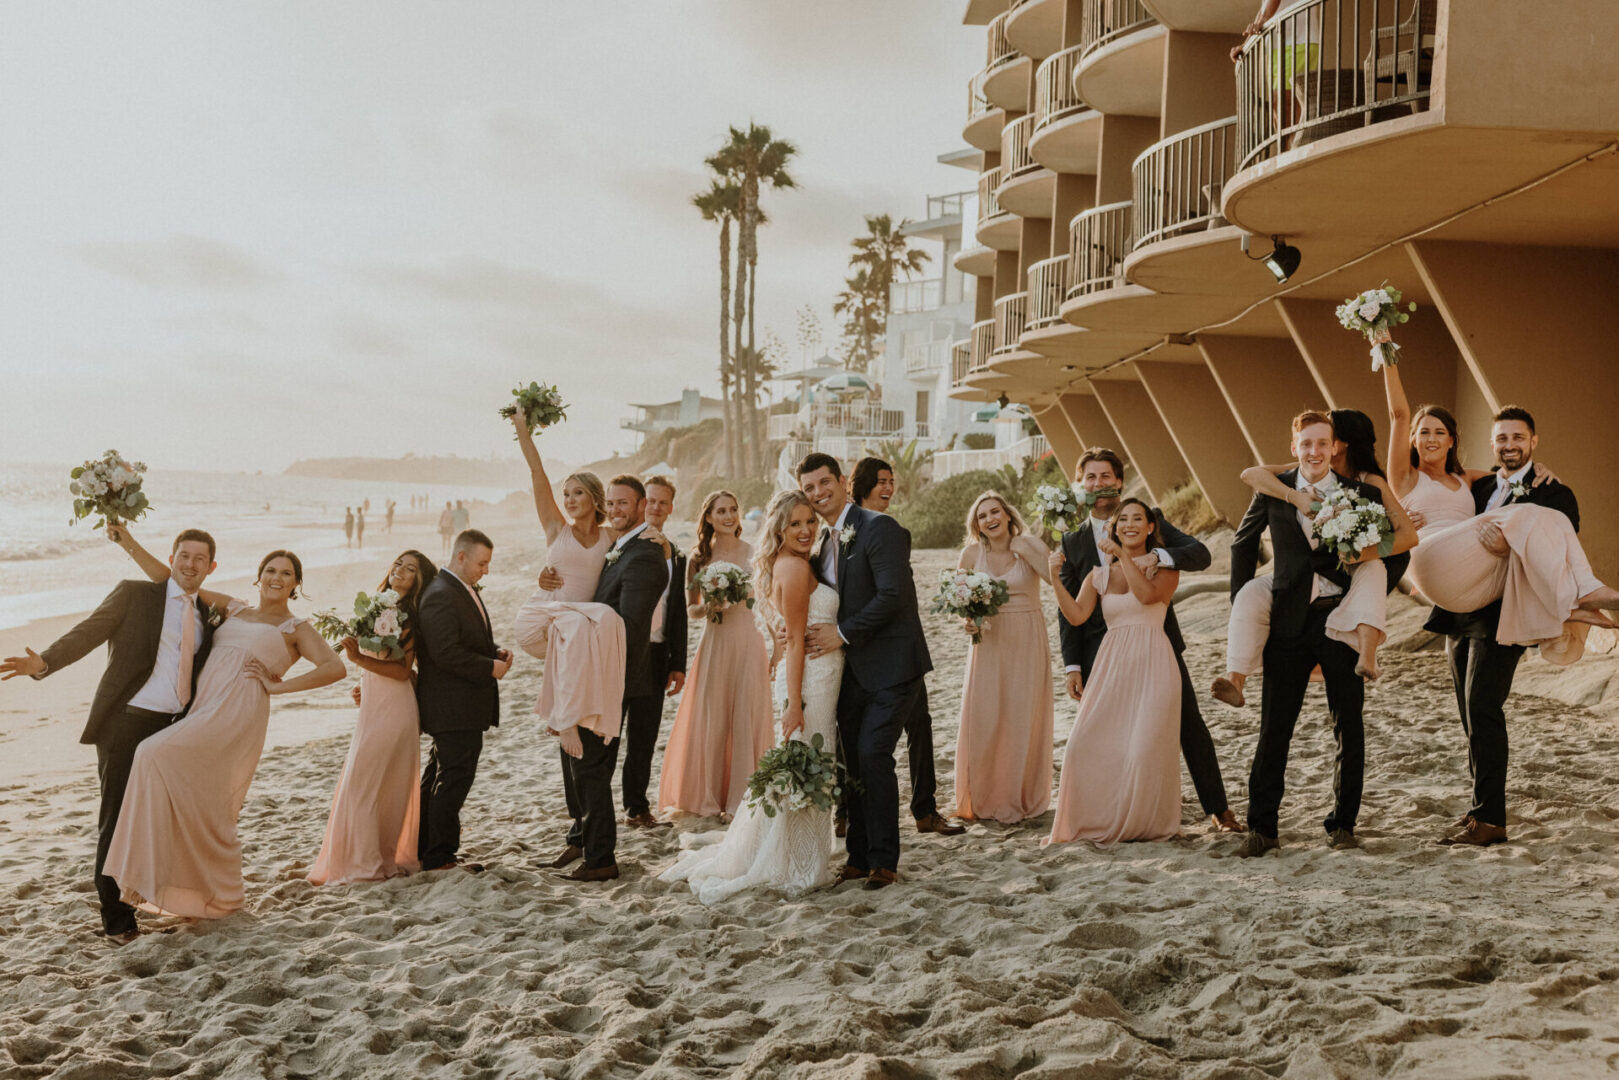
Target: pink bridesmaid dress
{"x":371,"y":831}
{"x":725,"y":722}
{"x":176,"y":849}
{"x":1003,"y":748}
{"x":1539,"y":580}
{"x":581,"y":642}
{"x":1121,"y":773}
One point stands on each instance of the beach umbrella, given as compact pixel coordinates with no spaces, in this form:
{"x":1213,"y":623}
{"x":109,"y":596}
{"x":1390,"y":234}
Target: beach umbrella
{"x":843,"y":382}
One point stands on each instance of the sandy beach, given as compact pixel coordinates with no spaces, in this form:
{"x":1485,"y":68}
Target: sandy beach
{"x":993,"y":958}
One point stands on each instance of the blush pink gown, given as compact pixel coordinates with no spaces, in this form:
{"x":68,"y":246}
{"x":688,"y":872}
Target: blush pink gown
{"x":581,"y":642}
{"x":1539,"y":580}
{"x":1003,"y":746}
{"x":725,"y":722}
{"x":176,"y":847}
{"x":1121,"y":773}
{"x":371,"y":831}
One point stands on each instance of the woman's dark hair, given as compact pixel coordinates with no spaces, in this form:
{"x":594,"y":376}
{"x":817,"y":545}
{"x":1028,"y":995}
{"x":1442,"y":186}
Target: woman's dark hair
{"x":1155,"y":537}
{"x":864,"y":478}
{"x":297,"y":568}
{"x":1453,"y":463}
{"x":1354,"y":429}
{"x":704,"y":550}
{"x":425,"y":573}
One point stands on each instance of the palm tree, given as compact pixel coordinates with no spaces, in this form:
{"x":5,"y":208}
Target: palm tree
{"x":861,"y":309}
{"x":908,"y":461}
{"x":752,"y":157}
{"x":886,"y":251}
{"x":722,"y":203}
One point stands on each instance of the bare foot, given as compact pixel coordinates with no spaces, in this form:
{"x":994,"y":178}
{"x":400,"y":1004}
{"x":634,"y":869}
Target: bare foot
{"x":1228,"y":688}
{"x":1366,"y":667}
{"x":1595,"y":618}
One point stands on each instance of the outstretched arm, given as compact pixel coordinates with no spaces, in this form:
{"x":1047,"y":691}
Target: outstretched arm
{"x":1071,"y":609}
{"x":152,"y":566}
{"x":545,"y":503}
{"x":77,"y":642}
{"x":1401,"y":477}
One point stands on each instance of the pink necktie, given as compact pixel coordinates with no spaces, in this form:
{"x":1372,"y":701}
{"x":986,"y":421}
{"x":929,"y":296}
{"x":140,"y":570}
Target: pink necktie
{"x":188,"y":637}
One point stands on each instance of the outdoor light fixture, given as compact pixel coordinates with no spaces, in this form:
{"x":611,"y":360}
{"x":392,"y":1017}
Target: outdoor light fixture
{"x":1003,"y":401}
{"x":1282,"y":261}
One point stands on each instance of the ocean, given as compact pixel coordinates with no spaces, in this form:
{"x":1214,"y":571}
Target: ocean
{"x":51,"y":567}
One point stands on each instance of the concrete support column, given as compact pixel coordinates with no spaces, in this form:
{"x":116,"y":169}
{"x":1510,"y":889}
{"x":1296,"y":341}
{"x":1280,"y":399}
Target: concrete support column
{"x":1535,"y":329}
{"x":1034,"y":245}
{"x":1265,"y":384}
{"x":1060,"y":434}
{"x":1074,"y":194}
{"x":1142,"y":434}
{"x":1091,"y":424}
{"x":1123,"y":140}
{"x":1188,"y":399}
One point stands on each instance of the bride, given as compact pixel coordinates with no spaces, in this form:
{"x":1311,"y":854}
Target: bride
{"x":791,"y":851}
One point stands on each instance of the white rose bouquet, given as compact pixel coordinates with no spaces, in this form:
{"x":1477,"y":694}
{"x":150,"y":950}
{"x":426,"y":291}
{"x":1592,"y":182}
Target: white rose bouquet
{"x":540,"y":406}
{"x":1375,"y":313}
{"x":1057,"y":508}
{"x":1348,"y":523}
{"x":378,"y":624}
{"x":970,"y":595}
{"x":111,"y":488}
{"x":721,"y":585}
{"x":796,"y":775}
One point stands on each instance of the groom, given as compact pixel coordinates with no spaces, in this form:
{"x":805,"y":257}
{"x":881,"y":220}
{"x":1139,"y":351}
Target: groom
{"x":157,"y":638}
{"x":1308,"y":584}
{"x":867,"y":557}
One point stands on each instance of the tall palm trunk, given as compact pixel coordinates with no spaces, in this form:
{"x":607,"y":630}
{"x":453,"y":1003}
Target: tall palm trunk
{"x":742,"y":427}
{"x":760,"y":435}
{"x":726,"y":364}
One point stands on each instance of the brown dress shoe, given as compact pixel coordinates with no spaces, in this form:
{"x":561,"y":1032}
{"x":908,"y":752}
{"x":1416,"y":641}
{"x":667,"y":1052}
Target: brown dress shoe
{"x":569,"y":854}
{"x":593,"y":873}
{"x":881,"y":879}
{"x":645,"y":820}
{"x":850,"y":873}
{"x":1463,"y":822}
{"x":1226,"y":821}
{"x":1256,"y":844}
{"x":938,"y":823}
{"x":1477,"y":834}
{"x":1342,"y":840}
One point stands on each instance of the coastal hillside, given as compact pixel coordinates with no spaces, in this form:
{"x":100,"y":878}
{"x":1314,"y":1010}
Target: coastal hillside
{"x":410,"y":469}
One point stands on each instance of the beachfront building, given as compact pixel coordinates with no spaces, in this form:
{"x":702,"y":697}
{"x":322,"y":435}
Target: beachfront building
{"x":691,"y":408}
{"x":1162,"y":235}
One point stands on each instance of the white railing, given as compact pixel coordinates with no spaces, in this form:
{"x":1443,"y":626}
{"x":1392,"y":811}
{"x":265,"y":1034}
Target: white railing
{"x":1109,"y":20}
{"x":908,"y":297}
{"x":983,"y":344}
{"x":1009,"y":313}
{"x":1178,"y":181}
{"x":1098,"y":241}
{"x":961,"y":360}
{"x":1016,"y":160}
{"x":1048,"y":288}
{"x":948,"y":463}
{"x":1001,"y":51}
{"x":989,"y":205}
{"x":943,"y":206}
{"x":781,"y":426}
{"x":1054,"y":93}
{"x":926,"y":357}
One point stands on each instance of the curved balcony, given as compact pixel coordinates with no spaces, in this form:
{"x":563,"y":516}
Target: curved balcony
{"x":984,"y":120}
{"x":1121,"y":60}
{"x":997,"y":228}
{"x":1009,"y":313}
{"x":980,"y":346}
{"x":1179,"y":180}
{"x":1328,"y":67}
{"x":1006,"y":71}
{"x":1026,"y":187}
{"x":961,"y":359}
{"x":1034,"y":27}
{"x":1048,"y":288}
{"x":1098,"y":241}
{"x":1067,"y":132}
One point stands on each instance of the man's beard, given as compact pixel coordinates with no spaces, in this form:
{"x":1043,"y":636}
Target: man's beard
{"x":1518,"y":457}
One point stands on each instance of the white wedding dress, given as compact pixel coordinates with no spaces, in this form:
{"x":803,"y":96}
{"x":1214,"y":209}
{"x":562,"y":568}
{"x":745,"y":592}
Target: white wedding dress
{"x":793,"y":850}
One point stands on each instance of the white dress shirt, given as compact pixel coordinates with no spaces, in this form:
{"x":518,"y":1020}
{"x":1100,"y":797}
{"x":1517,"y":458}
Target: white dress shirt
{"x":1504,"y":487}
{"x":663,"y":603}
{"x":1320,"y":586}
{"x":158,"y":695}
{"x":833,"y":548}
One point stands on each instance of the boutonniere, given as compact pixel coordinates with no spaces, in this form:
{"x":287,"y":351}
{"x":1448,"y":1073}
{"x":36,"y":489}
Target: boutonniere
{"x":213,"y":616}
{"x":613,"y":556}
{"x":1518,"y":489}
{"x":846,"y":537}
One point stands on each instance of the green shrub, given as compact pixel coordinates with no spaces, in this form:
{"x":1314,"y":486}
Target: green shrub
{"x":1185,"y":508}
{"x":978,"y":440}
{"x":937,"y":515}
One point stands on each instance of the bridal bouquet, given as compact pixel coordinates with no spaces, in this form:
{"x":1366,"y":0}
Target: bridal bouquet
{"x":1057,"y":509}
{"x":970,"y":595}
{"x":1348,"y":523}
{"x":540,"y":406}
{"x":378,"y":624}
{"x":721,"y":585}
{"x":796,"y":776}
{"x":111,"y":488}
{"x":1375,"y":313}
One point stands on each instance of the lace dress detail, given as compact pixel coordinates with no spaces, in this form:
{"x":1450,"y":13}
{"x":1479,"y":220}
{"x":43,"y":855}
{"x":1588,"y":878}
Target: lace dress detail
{"x":793,"y":850}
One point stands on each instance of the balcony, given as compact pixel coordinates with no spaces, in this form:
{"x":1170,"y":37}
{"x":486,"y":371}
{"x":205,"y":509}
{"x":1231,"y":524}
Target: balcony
{"x":1098,"y":241}
{"x":1178,"y":182}
{"x":926,"y":358}
{"x":997,"y":228}
{"x":982,"y":344}
{"x":1026,"y":187}
{"x":1034,"y":27}
{"x":1006,"y":71}
{"x":961,"y":361}
{"x":910,"y":297}
{"x":1121,"y":59}
{"x":1067,"y":132}
{"x":837,"y":418}
{"x":1009,"y":312}
{"x":945,"y":206}
{"x":948,"y":463}
{"x":1048,"y":288}
{"x":983,"y":130}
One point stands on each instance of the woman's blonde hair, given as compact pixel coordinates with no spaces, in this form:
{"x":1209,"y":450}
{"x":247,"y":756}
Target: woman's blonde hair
{"x":704,"y":551}
{"x":780,"y":511}
{"x":1014,"y":520}
{"x":593,"y":487}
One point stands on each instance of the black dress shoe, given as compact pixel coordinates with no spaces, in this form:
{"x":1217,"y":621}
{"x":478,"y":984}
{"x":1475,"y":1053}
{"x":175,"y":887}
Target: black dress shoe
{"x":938,"y":823}
{"x":569,"y":854}
{"x":453,"y":864}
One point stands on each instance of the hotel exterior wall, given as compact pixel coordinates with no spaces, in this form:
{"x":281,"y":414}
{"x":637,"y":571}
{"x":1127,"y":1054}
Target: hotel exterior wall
{"x":1265,"y":384}
{"x":1143,"y":436}
{"x":1189,"y":401}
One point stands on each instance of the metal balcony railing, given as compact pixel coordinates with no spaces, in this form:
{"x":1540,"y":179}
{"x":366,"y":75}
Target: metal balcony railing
{"x":1178,"y":181}
{"x":961,"y":361}
{"x":1001,"y":51}
{"x":926,"y":357}
{"x":1054,"y":93}
{"x":1048,"y":288}
{"x":977,"y":103}
{"x":950,"y":463}
{"x":943,"y":206}
{"x":1108,"y":20}
{"x":908,"y":297}
{"x":983,"y":344}
{"x":1325,"y":67}
{"x":1015,"y":157}
{"x":1098,"y":241}
{"x":1009,"y":312}
{"x":989,"y":206}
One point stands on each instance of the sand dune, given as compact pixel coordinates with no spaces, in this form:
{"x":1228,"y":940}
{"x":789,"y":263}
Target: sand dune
{"x":993,"y":958}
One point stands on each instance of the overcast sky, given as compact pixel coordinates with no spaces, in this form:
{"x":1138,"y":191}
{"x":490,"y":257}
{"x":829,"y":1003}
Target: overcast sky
{"x":236,"y":234}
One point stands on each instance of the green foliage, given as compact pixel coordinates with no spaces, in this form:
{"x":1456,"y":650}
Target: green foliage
{"x":1185,"y":508}
{"x":909,"y":461}
{"x":795,"y":775}
{"x":978,"y":440}
{"x":937,"y":514}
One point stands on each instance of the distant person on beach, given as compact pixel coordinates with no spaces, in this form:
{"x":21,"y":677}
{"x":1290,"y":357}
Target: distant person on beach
{"x":388,"y":519}
{"x":348,"y":526}
{"x":157,"y":641}
{"x":446,"y":527}
{"x":462,"y":519}
{"x":359,"y":529}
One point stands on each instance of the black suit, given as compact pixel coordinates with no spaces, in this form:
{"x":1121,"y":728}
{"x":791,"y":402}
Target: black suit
{"x":459,"y":699}
{"x":630,"y":584}
{"x":643,"y":713}
{"x":884,"y":664}
{"x":1297,"y":643}
{"x":1482,"y":669}
{"x":130,"y":623}
{"x":1080,"y":644}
